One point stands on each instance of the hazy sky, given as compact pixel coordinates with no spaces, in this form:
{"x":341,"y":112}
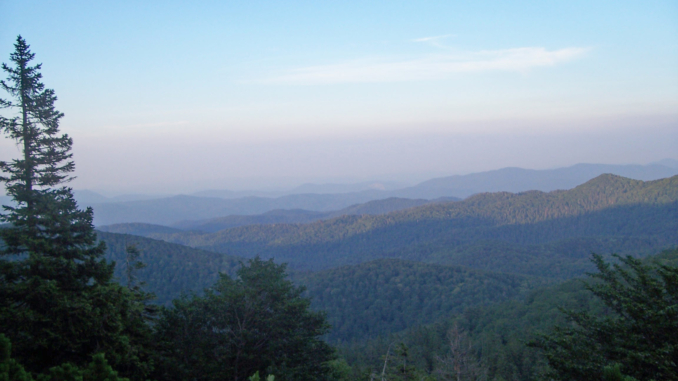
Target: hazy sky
{"x":164,"y":96}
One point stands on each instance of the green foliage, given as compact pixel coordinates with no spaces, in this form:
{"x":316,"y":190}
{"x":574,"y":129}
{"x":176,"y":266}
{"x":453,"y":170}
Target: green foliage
{"x":57,"y":302}
{"x":614,"y":373}
{"x":589,"y":219}
{"x":170,"y":269}
{"x":609,"y":214}
{"x":97,"y":370}
{"x":132,"y":265}
{"x":390,"y":295}
{"x":401,"y":368}
{"x":256,"y":377}
{"x":641,"y":332}
{"x":499,"y":331}
{"x":46,"y":157}
{"x":257,"y":321}
{"x":10,"y":369}
{"x":340,"y":370}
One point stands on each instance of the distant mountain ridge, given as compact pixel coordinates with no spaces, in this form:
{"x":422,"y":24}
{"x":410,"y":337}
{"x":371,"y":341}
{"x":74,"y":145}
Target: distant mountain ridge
{"x":347,"y":188}
{"x":520,"y":180}
{"x":671,"y":163}
{"x":295,"y":216}
{"x":138,"y":229}
{"x":500,"y":207}
{"x":635,"y":214}
{"x":300,"y":216}
{"x":168,"y":211}
{"x":172,"y":210}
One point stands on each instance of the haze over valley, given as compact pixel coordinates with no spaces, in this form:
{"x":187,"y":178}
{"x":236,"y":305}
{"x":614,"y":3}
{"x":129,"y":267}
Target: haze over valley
{"x":332,"y":199}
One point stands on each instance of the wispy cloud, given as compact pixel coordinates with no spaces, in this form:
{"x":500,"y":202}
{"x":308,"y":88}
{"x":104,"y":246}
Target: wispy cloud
{"x":430,"y":67}
{"x":432,"y":38}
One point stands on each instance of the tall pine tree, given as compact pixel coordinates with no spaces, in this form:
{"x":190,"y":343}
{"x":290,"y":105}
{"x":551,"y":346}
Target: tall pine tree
{"x":57,"y":301}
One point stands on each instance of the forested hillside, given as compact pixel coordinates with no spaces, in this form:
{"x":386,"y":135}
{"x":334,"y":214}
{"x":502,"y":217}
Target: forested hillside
{"x":366,"y":300}
{"x":170,"y":268}
{"x":389,"y":295}
{"x":294,"y":216}
{"x":498,"y":333}
{"x":300,"y":216}
{"x":609,"y":213}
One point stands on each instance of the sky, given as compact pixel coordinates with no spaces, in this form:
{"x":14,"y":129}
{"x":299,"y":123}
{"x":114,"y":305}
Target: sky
{"x":178,"y":96}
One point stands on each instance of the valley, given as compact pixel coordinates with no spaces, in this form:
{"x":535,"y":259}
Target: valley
{"x":497,"y":264}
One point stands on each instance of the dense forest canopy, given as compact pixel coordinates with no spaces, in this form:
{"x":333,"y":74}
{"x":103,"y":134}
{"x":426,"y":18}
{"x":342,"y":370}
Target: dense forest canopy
{"x":389,"y":295}
{"x":498,"y":333}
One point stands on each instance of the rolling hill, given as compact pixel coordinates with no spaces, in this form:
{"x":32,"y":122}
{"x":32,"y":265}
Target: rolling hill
{"x":374,"y":298}
{"x":268,"y":218}
{"x":609,"y":213}
{"x":300,"y":216}
{"x":171,"y":210}
{"x":170,"y":268}
{"x":140,"y":229}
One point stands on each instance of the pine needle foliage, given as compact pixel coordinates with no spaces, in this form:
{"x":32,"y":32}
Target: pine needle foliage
{"x":58,"y":303}
{"x":640,"y":332}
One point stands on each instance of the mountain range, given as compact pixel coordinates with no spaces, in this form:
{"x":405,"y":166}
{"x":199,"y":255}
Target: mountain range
{"x":383,"y":273}
{"x":176,"y":209}
{"x":523,"y":233}
{"x":520,"y":180}
{"x":279,"y":216}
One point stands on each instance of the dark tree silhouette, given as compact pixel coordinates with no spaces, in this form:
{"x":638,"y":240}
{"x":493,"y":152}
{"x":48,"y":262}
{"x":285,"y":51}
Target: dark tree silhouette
{"x":58,"y":303}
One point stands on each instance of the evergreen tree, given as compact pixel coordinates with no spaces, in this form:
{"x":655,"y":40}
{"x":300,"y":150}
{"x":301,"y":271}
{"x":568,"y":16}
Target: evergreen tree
{"x":57,"y":301}
{"x":97,"y":370}
{"x":639,"y":336}
{"x":256,"y":322}
{"x":136,"y":287}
